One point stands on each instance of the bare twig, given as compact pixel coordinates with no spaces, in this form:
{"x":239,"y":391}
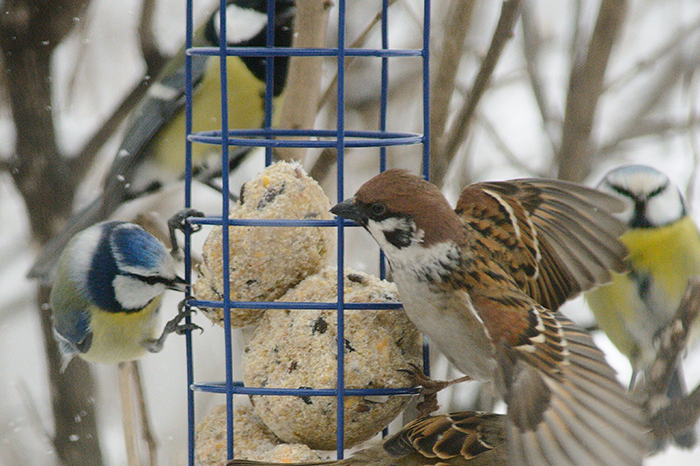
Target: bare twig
{"x":149,"y":45}
{"x":637,"y":123}
{"x":532,"y":46}
{"x":126,"y":381}
{"x":693,"y":85}
{"x":574,"y":159}
{"x":671,"y":48}
{"x":503,"y":148}
{"x":679,"y":415}
{"x":647,"y":127}
{"x":146,"y":430}
{"x":323,"y":164}
{"x":155,"y":61}
{"x":459,"y":129}
{"x":303,"y":85}
{"x":442,"y":84}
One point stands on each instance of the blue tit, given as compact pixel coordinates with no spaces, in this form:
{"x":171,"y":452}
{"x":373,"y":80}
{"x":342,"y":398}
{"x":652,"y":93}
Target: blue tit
{"x":152,"y":152}
{"x":109,"y":283}
{"x":664,"y":252}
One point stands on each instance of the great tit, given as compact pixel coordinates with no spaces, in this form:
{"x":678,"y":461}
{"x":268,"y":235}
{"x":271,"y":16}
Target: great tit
{"x":664,"y":252}
{"x":105,"y":299}
{"x":152,"y":152}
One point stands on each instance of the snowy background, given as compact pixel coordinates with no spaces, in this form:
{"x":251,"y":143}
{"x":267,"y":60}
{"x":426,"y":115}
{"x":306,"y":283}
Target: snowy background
{"x":648,"y":113}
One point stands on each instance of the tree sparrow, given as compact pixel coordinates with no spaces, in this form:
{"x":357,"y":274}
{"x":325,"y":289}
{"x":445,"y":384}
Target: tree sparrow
{"x":467,"y":438}
{"x":475,"y":282}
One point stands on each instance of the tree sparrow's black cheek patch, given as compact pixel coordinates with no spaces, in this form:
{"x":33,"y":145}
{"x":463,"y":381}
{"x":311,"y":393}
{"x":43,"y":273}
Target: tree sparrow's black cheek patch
{"x":398,"y":238}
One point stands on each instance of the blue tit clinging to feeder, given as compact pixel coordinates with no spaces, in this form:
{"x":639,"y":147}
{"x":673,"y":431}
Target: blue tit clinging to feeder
{"x":105,"y":300}
{"x":664,"y":252}
{"x":152,"y":153}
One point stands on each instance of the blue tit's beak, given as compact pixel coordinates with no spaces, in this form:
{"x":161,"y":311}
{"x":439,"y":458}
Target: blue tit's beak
{"x":178,"y":284}
{"x":350,"y":211}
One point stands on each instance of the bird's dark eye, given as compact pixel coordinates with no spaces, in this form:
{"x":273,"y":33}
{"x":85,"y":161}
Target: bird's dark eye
{"x":378,"y":209}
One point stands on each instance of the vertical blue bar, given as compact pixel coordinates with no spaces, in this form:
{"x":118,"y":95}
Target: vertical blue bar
{"x":426,"y":88}
{"x":269,"y":74}
{"x":340,"y":148}
{"x":426,"y":130}
{"x":189,"y":28}
{"x":384,"y":97}
{"x":225,"y":229}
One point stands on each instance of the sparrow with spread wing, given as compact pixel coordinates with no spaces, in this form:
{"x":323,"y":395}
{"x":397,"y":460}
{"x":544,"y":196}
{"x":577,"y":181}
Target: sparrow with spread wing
{"x":483,"y":282}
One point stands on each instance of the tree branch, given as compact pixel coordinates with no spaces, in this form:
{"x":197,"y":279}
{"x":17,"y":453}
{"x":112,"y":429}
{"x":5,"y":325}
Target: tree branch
{"x":303,"y":86}
{"x":459,"y":129}
{"x":442,"y":84}
{"x":585,"y":87}
{"x":531,"y":48}
{"x":155,"y":61}
{"x":673,"y":418}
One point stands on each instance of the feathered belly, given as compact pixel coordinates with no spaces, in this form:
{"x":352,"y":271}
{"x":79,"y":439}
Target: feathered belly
{"x":451,"y":324}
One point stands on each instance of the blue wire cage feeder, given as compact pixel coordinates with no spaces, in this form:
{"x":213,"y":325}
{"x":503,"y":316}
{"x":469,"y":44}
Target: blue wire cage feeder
{"x":268,"y":137}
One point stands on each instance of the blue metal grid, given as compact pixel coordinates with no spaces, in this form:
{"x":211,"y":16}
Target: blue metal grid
{"x":269,"y":138}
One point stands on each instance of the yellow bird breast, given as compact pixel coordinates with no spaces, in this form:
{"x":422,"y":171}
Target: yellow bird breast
{"x":245,"y":111}
{"x":636,"y":305}
{"x":119,"y":337}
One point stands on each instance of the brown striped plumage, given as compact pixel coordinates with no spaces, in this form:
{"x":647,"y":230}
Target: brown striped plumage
{"x":556,"y":239}
{"x":484,"y":283}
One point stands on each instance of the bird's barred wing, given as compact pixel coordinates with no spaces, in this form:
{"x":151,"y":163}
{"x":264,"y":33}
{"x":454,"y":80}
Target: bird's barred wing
{"x":458,"y":435}
{"x":556,"y":239}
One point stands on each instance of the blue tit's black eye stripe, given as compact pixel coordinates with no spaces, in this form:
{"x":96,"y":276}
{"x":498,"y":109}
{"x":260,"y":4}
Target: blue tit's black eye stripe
{"x":155,"y":279}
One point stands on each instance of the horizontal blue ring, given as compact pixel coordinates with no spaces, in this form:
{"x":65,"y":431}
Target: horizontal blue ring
{"x":301,"y":52}
{"x":261,"y":138}
{"x":266,"y":222}
{"x":239,"y":389}
{"x":312,"y":306}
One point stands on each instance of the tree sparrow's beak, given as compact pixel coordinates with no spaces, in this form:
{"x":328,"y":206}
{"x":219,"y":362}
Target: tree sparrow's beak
{"x":349,"y":210}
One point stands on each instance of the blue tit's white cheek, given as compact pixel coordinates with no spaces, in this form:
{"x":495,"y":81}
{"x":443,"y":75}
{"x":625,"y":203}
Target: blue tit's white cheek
{"x":132,"y":293}
{"x":242,"y":24}
{"x":666,"y":207}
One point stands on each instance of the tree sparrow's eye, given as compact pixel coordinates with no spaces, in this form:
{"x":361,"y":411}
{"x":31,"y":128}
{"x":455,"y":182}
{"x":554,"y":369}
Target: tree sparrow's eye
{"x":378,"y":209}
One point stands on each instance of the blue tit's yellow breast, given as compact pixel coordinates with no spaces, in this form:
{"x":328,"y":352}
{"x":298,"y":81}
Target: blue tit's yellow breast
{"x":670,"y":254}
{"x":636,"y":305}
{"x":121,"y":336}
{"x":245,"y":111}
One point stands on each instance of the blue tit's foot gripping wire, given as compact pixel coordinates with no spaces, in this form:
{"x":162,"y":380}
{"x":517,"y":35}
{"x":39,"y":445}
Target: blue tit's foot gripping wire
{"x":179,"y":222}
{"x":429,"y":388}
{"x":174,"y":326}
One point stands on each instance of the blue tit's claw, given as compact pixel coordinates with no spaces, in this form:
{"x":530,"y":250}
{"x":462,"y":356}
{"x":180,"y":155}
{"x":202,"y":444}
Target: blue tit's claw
{"x":175,"y":326}
{"x":179,"y":222}
{"x":184,"y":328}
